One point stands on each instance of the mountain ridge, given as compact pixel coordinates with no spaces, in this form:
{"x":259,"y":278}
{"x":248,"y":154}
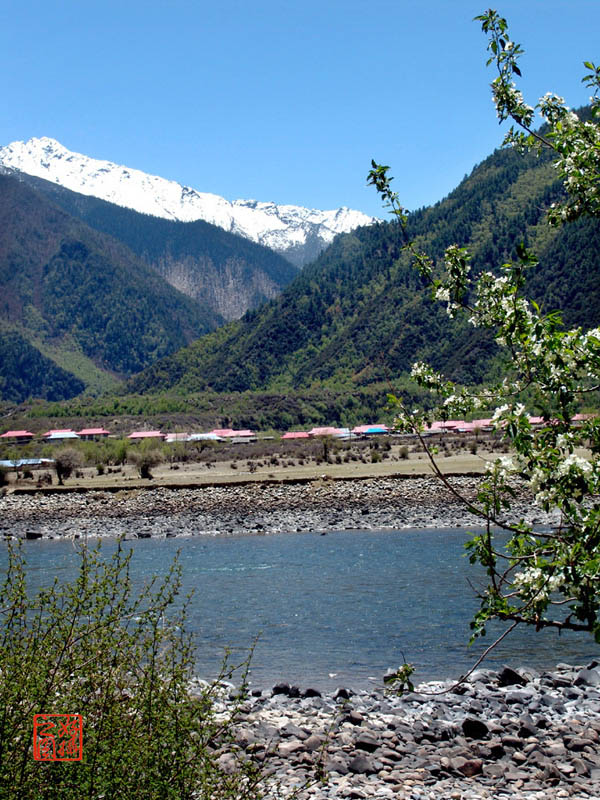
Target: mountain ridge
{"x":221,"y":271}
{"x":296,"y":232}
{"x":360,"y":314}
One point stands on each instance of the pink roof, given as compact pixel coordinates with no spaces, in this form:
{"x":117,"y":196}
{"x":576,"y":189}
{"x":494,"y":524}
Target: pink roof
{"x":327,"y":431}
{"x":93,"y":432}
{"x":229,"y":433}
{"x":295,"y":435}
{"x":14,"y":434}
{"x":146,"y":435}
{"x":449,"y":425}
{"x":482,"y":423}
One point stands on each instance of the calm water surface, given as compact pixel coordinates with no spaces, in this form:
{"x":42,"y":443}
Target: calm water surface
{"x":329,"y":610}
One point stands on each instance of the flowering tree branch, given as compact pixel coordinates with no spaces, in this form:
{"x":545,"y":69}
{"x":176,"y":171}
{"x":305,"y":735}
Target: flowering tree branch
{"x":546,"y":579}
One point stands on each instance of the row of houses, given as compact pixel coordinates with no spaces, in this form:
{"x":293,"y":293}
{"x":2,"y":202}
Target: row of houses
{"x":238,"y":436}
{"x":486,"y":425}
{"x":98,"y":434}
{"x":217,"y":435}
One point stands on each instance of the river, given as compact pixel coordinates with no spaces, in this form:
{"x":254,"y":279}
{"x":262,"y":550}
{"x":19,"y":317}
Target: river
{"x":328,"y":610}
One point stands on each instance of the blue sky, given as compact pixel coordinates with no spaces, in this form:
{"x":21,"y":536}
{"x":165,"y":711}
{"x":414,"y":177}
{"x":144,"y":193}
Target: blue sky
{"x":284,"y":101}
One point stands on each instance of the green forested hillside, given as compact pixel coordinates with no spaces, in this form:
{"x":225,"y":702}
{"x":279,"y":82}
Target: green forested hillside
{"x":223,"y":272}
{"x":24,"y":372}
{"x":359,"y":314}
{"x":66,"y":288}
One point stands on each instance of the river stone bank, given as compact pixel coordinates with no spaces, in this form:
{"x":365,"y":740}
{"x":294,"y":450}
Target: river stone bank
{"x":255,"y":508}
{"x":512,"y":734}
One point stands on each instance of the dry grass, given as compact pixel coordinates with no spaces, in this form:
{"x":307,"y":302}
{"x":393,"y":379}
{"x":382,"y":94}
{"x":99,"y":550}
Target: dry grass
{"x":222,"y":472}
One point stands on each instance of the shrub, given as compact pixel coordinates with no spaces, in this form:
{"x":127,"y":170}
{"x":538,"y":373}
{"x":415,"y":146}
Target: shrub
{"x":123,"y":659}
{"x":145,"y":460}
{"x":66,"y":460}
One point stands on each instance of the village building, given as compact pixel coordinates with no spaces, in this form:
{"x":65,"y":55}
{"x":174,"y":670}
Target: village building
{"x":171,"y":438}
{"x":370,"y":430}
{"x":235,"y":437}
{"x":140,"y":436}
{"x":201,"y":437}
{"x":58,"y":436}
{"x":296,"y":435}
{"x":16,"y":437}
{"x":324,"y":431}
{"x":93,"y":434}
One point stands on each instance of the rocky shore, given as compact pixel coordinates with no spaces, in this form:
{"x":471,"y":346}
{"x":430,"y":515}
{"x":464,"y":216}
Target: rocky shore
{"x":252,"y":508}
{"x":509,"y":734}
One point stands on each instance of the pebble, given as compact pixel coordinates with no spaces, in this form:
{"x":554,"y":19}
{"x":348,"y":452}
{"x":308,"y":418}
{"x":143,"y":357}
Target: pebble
{"x":374,"y":744}
{"x":254,"y":508}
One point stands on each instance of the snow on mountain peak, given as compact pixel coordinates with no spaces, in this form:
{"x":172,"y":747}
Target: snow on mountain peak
{"x":296,"y":232}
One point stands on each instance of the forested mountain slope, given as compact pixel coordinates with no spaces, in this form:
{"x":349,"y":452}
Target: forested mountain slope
{"x":360,"y":314}
{"x":225,"y":273}
{"x":81,"y":297}
{"x":25,"y":371}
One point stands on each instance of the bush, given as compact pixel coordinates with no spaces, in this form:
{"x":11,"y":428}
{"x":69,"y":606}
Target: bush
{"x":123,"y":659}
{"x":66,"y":460}
{"x":145,"y":460}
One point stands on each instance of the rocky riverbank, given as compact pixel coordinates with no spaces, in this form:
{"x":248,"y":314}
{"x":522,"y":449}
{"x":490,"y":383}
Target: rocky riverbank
{"x":509,"y":734}
{"x":253,"y":508}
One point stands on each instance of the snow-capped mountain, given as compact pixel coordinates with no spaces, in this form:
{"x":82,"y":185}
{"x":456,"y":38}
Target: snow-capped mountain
{"x":296,"y":232}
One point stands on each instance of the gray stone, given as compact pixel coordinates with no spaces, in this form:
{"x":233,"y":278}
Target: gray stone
{"x":290,"y":730}
{"x":362,"y":765}
{"x":336,"y":764}
{"x":588,"y":677}
{"x":367,"y":741}
{"x":354,"y":717}
{"x":467,"y":766}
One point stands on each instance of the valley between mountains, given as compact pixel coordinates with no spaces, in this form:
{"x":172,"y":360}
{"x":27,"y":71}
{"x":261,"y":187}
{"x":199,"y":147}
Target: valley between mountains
{"x":113,"y":285}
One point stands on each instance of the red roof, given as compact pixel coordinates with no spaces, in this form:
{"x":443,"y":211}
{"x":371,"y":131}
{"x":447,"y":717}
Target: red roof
{"x":295,"y":435}
{"x":93,"y":432}
{"x":15,"y":434}
{"x":449,"y":425}
{"x":146,"y":435}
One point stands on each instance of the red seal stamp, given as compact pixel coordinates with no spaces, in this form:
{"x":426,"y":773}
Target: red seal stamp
{"x":57,"y":737}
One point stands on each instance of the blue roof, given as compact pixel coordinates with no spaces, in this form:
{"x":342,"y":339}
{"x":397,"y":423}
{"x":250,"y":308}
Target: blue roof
{"x":17,"y":463}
